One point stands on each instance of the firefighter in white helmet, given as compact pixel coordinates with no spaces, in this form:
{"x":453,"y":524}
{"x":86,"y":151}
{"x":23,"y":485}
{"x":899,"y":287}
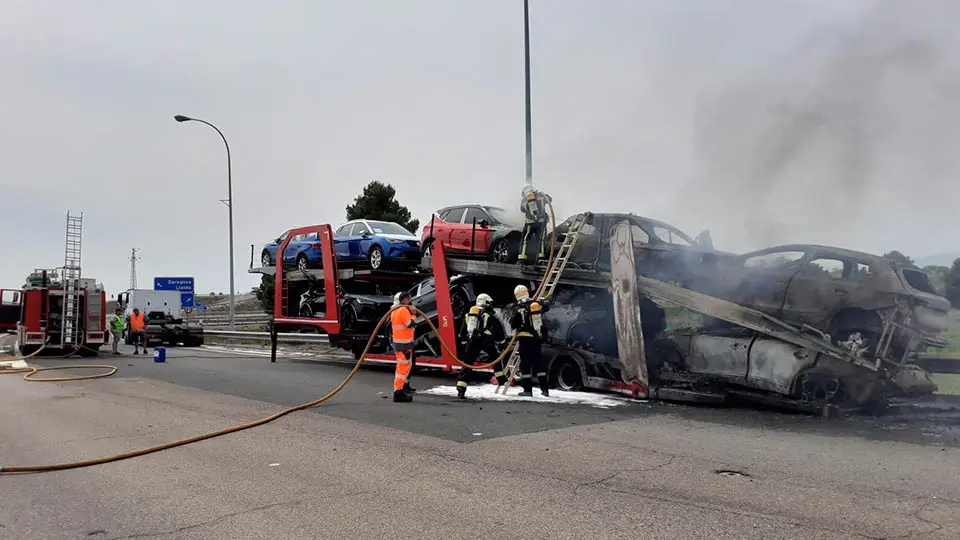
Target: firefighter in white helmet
{"x":480,"y":339}
{"x":527,"y":323}
{"x":533,"y":204}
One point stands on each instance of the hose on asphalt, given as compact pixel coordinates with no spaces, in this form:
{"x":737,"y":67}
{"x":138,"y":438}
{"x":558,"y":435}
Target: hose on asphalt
{"x":30,"y":371}
{"x":280,"y":414}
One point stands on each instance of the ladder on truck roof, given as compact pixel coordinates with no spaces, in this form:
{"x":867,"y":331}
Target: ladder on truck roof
{"x":71,"y":280}
{"x":545,"y":291}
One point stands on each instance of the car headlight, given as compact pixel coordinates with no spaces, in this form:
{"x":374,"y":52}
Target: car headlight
{"x":394,"y":241}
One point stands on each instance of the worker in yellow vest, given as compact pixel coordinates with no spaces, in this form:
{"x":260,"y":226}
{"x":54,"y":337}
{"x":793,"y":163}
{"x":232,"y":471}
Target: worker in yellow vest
{"x":137,"y":326}
{"x":401,"y":320}
{"x":116,"y":329}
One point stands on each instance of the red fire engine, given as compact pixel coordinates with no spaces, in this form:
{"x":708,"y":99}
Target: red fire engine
{"x":62,"y":315}
{"x":9,"y":309}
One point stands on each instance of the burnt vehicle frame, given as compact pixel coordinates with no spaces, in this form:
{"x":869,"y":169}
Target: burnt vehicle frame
{"x":865,"y":303}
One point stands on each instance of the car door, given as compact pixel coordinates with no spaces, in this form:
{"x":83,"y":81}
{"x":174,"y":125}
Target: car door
{"x":763,"y":279}
{"x":341,"y":241}
{"x":293,"y":247}
{"x":820,"y":288}
{"x":445,"y":230}
{"x":476,"y":238}
{"x":585,"y":250}
{"x":365,"y":238}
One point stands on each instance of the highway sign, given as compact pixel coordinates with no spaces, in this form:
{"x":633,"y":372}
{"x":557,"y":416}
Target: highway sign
{"x":201,"y":306}
{"x":182,"y":284}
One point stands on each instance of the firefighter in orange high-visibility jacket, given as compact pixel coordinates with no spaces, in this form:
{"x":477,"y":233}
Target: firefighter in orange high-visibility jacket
{"x":527,"y":322}
{"x":401,"y":320}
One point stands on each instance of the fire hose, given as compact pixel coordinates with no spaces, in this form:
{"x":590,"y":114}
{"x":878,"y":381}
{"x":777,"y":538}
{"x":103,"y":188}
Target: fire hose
{"x":241,"y":427}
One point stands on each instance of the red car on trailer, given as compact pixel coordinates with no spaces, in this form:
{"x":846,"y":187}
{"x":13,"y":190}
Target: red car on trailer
{"x":473,"y":230}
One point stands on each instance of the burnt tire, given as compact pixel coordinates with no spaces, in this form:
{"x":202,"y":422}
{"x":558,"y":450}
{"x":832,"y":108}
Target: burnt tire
{"x":302,"y":263}
{"x":566,"y":375}
{"x":505,"y":250}
{"x":348,"y":319}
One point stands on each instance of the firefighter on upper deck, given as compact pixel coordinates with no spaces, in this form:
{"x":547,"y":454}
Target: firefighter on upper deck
{"x":480,"y":339}
{"x":533,"y":204}
{"x":527,"y":322}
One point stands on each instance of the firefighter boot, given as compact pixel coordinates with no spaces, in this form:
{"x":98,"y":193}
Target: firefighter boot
{"x":408,"y":389}
{"x":461,"y":392}
{"x":399,"y":396}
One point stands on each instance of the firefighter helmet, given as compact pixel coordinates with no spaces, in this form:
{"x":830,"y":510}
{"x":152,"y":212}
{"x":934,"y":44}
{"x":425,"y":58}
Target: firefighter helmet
{"x":484,"y":300}
{"x":521,"y":293}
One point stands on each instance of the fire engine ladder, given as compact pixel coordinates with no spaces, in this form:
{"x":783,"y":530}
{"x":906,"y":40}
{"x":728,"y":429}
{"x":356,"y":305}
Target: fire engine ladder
{"x":71,"y":281}
{"x":557,"y":265}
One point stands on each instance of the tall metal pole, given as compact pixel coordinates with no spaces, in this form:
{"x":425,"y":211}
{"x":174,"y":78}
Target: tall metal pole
{"x":228,"y":202}
{"x":526,"y":70}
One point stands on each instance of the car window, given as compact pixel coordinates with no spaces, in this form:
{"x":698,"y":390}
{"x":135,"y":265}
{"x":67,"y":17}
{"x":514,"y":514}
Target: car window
{"x":296,"y":238}
{"x":387,"y":227}
{"x":454,"y":215}
{"x":823,"y":266}
{"x":474,"y":213}
{"x":775,"y":259}
{"x":670,"y":236}
{"x":864,"y":272}
{"x":422,"y":288}
{"x":344,"y":230}
{"x":284,"y":236}
{"x":499,"y":215}
{"x":640,"y":236}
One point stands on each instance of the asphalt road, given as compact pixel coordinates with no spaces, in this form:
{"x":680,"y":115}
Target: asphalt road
{"x":361,"y":466}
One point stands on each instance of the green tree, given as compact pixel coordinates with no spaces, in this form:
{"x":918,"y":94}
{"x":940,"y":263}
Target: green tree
{"x":938,"y":277}
{"x":896,"y":256}
{"x":378,"y":202}
{"x":265,"y":293}
{"x":953,"y":284}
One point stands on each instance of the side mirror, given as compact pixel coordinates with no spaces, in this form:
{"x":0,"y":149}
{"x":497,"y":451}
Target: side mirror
{"x":483,"y":223}
{"x":704,"y":239}
{"x":279,"y":241}
{"x":365,"y":234}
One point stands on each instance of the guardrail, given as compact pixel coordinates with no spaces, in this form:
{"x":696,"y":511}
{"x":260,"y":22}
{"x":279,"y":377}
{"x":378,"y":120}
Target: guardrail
{"x":265,"y":336}
{"x":939,"y":362}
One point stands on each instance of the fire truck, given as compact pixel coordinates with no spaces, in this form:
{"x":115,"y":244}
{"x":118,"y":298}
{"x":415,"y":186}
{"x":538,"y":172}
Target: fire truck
{"x":61,"y":315}
{"x":9,"y":309}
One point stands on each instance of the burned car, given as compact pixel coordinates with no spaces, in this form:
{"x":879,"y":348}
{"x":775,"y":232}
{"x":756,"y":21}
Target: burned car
{"x":663,"y":251}
{"x":889,"y":308}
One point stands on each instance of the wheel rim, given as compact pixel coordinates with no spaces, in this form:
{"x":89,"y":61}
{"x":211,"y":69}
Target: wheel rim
{"x":265,"y":259}
{"x":302,"y":263}
{"x":375,"y":258}
{"x":501,"y":252}
{"x":348,"y":318}
{"x":569,"y":376}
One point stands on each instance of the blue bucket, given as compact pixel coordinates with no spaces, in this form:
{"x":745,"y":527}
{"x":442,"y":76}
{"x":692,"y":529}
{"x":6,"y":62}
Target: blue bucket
{"x":159,"y":354}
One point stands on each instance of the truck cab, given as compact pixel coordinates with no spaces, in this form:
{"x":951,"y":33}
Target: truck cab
{"x":164,"y":317}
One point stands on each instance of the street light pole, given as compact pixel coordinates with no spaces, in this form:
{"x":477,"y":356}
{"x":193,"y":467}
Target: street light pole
{"x":228,"y":202}
{"x":526,"y":70}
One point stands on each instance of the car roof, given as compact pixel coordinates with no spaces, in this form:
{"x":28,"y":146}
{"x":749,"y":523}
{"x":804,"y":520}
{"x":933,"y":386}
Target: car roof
{"x":467,"y":205}
{"x":836,"y":250}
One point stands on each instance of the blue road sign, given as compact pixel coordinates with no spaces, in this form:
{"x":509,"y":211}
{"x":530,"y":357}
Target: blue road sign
{"x":201,"y":306}
{"x":182,"y":284}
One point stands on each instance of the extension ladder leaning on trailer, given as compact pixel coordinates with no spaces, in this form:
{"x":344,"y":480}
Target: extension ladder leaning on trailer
{"x":557,"y":265}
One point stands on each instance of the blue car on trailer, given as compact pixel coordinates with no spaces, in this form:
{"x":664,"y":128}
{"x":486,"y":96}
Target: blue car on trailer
{"x":377,"y":242}
{"x":303,"y":250}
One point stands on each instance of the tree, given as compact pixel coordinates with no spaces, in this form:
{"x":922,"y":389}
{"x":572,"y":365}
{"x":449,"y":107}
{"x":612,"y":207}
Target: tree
{"x":265,"y":293}
{"x":377,"y":202}
{"x":953,"y":284}
{"x":896,"y":256}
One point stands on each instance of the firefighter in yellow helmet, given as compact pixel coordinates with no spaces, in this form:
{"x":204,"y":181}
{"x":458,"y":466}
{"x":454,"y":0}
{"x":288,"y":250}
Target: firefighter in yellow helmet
{"x":527,"y":322}
{"x":533,"y":204}
{"x":480,"y":339}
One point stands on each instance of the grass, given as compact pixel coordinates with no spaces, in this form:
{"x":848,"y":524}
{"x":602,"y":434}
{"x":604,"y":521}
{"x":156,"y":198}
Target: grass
{"x":947,"y":383}
{"x":952,"y":334}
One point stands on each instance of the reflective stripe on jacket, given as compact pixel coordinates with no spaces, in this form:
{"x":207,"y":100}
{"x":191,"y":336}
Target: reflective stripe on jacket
{"x":402,"y":322}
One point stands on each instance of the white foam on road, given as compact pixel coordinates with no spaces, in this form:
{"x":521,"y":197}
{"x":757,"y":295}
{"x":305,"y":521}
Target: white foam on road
{"x":560,"y":397}
{"x":14,"y":364}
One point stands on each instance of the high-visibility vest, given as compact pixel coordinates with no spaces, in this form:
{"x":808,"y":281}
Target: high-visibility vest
{"x":402,"y":322}
{"x":136,"y":322}
{"x":117,"y":324}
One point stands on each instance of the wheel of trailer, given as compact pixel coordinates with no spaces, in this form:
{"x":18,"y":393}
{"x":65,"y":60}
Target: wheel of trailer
{"x":375,"y":256}
{"x":504,"y":251}
{"x":265,"y":259}
{"x":567,"y":375}
{"x":301,"y":262}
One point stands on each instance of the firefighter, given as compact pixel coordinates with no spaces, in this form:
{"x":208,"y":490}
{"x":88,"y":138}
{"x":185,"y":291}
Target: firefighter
{"x":534,"y":207}
{"x":480,"y":339}
{"x":527,"y":322}
{"x":137,"y":325}
{"x":401,"y":319}
{"x":116,"y":329}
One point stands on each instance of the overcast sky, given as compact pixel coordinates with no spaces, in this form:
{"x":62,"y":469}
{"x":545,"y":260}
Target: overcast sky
{"x":765,"y":121}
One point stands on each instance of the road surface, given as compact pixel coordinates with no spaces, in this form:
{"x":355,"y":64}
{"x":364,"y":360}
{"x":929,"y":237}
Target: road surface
{"x":363,"y":467}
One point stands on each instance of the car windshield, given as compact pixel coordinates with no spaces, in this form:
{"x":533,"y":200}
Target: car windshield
{"x":671,"y":235}
{"x":498,"y":214}
{"x":385,"y":227}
